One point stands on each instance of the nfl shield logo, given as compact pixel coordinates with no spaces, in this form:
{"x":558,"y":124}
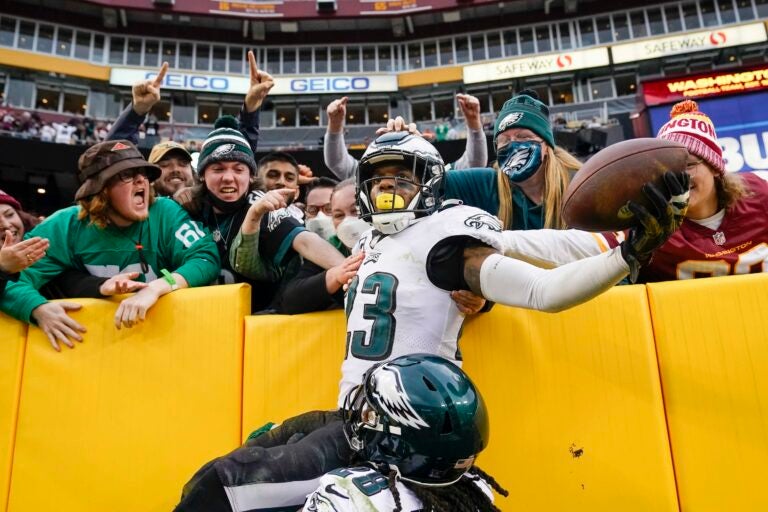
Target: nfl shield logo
{"x":719,"y":238}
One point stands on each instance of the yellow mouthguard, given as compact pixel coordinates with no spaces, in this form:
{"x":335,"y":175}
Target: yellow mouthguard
{"x":384,"y":202}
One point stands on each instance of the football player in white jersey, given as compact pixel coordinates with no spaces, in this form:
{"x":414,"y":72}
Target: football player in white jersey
{"x":416,"y":423}
{"x":421,"y":248}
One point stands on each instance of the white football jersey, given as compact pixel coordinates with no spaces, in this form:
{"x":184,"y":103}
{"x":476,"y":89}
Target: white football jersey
{"x":392,"y":307}
{"x":363,"y":489}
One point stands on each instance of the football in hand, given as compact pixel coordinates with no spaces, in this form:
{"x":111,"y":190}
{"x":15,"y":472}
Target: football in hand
{"x":616,"y":175}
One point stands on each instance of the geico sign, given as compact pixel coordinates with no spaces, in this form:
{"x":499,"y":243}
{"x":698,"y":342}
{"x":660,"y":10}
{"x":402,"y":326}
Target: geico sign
{"x":182,"y":81}
{"x":196,"y":82}
{"x":337,"y":84}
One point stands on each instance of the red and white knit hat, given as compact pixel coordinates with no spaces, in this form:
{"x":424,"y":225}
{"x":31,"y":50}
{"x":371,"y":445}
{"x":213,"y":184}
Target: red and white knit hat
{"x":694,"y":130}
{"x":9,"y":200}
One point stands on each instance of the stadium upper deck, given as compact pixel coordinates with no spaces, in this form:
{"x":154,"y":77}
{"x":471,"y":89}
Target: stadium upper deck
{"x":405,"y":57}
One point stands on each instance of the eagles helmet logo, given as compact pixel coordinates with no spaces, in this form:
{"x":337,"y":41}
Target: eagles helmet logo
{"x":275,"y":217}
{"x":389,"y":393}
{"x":516,"y":161}
{"x":482,"y":220}
{"x":223,"y":149}
{"x":509,"y":120}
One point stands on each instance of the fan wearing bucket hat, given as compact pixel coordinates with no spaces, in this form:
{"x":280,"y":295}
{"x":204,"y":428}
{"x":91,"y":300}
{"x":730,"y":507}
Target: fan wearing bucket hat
{"x":15,"y":254}
{"x":526,"y":185}
{"x":117,"y":227}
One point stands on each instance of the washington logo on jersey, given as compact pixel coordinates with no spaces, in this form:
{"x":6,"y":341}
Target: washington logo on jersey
{"x":481,"y":220}
{"x":389,"y":393}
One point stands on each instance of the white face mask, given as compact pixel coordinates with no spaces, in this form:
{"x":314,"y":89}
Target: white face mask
{"x":350,"y":229}
{"x":322,"y":225}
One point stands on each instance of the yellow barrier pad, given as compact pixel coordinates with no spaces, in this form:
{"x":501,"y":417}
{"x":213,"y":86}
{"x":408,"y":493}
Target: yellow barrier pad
{"x":123,"y":420}
{"x":712,"y":342}
{"x":577,"y":419}
{"x":12,"y":341}
{"x":292,"y":365}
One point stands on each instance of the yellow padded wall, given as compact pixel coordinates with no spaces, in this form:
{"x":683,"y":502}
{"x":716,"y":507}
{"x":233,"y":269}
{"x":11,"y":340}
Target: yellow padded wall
{"x":577,"y":420}
{"x":122,"y":421}
{"x":292,"y":365}
{"x":13,"y":335}
{"x":712,"y":342}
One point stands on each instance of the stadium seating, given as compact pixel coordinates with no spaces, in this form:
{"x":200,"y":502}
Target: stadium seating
{"x":579,"y":420}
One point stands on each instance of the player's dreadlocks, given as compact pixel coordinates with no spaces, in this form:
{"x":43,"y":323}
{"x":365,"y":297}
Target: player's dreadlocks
{"x":463,"y":496}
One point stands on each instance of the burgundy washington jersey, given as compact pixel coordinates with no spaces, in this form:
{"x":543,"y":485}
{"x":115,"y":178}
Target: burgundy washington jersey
{"x":738,"y":246}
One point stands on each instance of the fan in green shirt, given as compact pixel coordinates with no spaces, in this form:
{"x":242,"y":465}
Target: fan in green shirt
{"x":118,"y":227}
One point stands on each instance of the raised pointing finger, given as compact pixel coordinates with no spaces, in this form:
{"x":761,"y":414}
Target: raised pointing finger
{"x":161,"y":75}
{"x":253,"y":66}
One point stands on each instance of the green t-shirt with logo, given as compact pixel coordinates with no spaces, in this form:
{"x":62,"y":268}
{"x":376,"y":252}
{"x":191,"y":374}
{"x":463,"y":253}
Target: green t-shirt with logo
{"x":169,"y":238}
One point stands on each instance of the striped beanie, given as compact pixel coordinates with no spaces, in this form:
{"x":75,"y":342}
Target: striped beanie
{"x":226,"y":143}
{"x":694,"y":130}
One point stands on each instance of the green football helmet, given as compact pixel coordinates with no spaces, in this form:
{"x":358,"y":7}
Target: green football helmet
{"x":420,"y":414}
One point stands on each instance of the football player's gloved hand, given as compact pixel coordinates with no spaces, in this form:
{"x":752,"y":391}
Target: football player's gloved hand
{"x":654,"y":226}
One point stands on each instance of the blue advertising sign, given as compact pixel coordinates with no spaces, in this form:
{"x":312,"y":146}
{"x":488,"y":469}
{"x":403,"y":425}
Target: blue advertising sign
{"x":741,"y":122}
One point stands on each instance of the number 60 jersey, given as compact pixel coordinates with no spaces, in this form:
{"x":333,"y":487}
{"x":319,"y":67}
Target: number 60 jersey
{"x":393,"y":306}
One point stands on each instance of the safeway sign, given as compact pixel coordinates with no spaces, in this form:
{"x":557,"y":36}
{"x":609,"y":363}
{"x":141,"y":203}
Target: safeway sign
{"x":539,"y":65}
{"x":690,"y":42}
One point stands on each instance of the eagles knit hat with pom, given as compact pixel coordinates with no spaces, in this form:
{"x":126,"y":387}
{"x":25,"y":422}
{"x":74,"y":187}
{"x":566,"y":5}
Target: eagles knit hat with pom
{"x":10,"y":201}
{"x":226,"y":144}
{"x":694,"y":130}
{"x":525,"y":111}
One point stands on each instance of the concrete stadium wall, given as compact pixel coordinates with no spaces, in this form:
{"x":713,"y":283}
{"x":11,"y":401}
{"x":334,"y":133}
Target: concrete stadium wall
{"x":646,"y":398}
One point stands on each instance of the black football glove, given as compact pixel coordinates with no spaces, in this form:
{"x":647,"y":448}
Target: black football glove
{"x":654,"y":227}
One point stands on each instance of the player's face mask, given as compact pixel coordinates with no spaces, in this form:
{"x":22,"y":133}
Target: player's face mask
{"x":519,"y":160}
{"x":322,"y":225}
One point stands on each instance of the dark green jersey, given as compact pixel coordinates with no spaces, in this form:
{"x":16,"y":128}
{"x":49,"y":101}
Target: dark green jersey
{"x":479,"y":187}
{"x":168,"y":237}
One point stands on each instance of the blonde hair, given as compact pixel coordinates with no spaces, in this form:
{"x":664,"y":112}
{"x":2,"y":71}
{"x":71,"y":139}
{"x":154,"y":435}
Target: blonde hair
{"x":558,"y":167}
{"x":97,"y":208}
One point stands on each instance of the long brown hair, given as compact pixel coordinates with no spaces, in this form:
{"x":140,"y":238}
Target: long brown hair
{"x":558,"y":168}
{"x":27,"y":220}
{"x":730,"y":188}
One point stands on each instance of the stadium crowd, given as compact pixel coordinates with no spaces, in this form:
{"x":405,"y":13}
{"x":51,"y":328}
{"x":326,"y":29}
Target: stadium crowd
{"x":241,"y":220}
{"x":147,"y":227}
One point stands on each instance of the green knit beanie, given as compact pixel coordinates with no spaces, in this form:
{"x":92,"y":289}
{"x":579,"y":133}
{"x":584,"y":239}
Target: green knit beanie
{"x":226,"y":143}
{"x":525,"y":111}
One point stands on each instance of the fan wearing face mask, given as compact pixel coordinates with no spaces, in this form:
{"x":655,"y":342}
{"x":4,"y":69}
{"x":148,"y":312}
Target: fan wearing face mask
{"x":316,"y":289}
{"x":317,"y":213}
{"x":526,"y":185}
